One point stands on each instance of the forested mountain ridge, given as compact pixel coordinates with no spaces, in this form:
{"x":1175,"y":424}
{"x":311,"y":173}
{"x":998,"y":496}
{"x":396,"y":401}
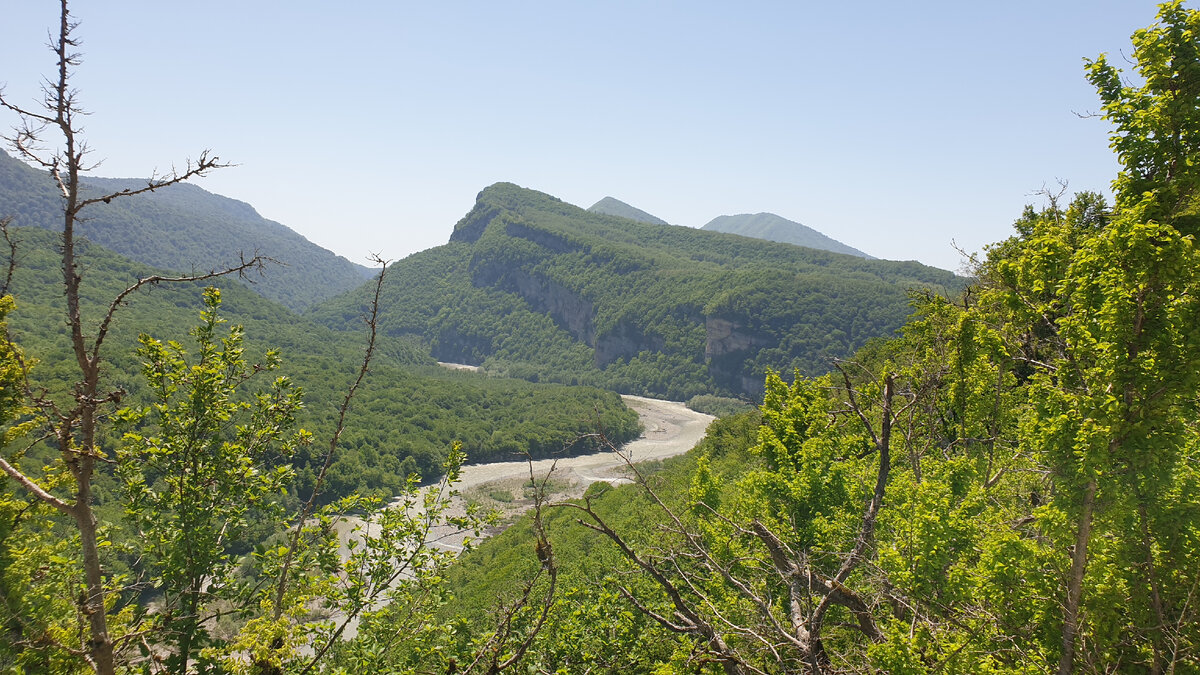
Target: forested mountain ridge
{"x":537,"y":288}
{"x":183,"y":227}
{"x":610,"y":206}
{"x":777,"y":228}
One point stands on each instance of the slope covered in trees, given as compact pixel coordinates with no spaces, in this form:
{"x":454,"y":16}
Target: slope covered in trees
{"x":536,"y":288}
{"x":409,"y":413}
{"x":182,"y":227}
{"x":776,"y":228}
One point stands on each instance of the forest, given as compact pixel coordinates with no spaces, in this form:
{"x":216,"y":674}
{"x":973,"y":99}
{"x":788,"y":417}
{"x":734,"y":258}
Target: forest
{"x":1008,"y":483}
{"x":535,"y":288}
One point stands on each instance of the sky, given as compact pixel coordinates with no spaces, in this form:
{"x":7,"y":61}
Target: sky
{"x":908,"y":130}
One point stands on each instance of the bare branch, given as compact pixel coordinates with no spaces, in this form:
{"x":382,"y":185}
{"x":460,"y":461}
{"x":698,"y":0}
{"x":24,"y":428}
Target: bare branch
{"x":549,"y":566}
{"x":883,"y":443}
{"x":683,"y":609}
{"x":255,"y":262}
{"x":194,"y":169}
{"x":837,"y":363}
{"x":372,"y":327}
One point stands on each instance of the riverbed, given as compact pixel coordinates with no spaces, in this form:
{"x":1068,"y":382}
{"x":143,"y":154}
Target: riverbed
{"x":669,"y":428}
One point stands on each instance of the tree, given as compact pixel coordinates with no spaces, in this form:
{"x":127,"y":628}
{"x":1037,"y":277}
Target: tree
{"x":195,"y":465}
{"x":1110,"y":318}
{"x":1116,"y":302}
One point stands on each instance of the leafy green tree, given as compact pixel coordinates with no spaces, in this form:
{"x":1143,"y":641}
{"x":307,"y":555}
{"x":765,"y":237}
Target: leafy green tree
{"x":1114,"y":354}
{"x":1111,"y":304}
{"x":196,"y":464}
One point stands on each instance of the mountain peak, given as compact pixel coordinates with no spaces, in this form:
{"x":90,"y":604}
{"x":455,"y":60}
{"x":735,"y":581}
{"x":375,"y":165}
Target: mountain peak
{"x":777,"y":228}
{"x":611,"y":206}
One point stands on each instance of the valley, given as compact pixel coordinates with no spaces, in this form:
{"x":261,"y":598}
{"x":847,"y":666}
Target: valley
{"x":230,"y":451}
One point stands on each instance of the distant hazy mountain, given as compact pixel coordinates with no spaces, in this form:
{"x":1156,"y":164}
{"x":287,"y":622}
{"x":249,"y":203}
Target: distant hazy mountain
{"x":185,"y":228}
{"x":615,"y":207}
{"x":775,"y":228}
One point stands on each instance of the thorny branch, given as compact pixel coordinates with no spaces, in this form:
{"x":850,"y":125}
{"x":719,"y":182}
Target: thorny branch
{"x":496,"y":661}
{"x":372,"y":332}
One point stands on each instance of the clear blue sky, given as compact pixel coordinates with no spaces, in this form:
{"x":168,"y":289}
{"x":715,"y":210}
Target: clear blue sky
{"x":369,"y":126}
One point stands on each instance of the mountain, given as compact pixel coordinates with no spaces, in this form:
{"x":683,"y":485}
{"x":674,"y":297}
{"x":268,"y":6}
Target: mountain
{"x":775,"y":228}
{"x":182,"y":228}
{"x":533,"y":287}
{"x":615,"y":207}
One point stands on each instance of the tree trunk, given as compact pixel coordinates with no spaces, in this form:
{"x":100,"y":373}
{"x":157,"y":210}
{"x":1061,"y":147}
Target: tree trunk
{"x":1075,"y":584}
{"x":100,"y":648}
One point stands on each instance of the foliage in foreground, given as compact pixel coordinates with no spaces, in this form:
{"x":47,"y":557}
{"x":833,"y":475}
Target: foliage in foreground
{"x":199,"y":472}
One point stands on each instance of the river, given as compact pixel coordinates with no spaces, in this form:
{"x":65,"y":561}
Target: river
{"x":669,"y":428}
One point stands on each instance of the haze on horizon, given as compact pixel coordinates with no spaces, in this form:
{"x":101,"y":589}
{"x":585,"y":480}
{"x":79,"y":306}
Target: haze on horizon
{"x":898,"y":130}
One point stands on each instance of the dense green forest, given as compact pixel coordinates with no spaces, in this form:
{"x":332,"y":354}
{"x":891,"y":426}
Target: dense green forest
{"x":535,"y":288}
{"x":408,"y":415}
{"x":182,"y":227}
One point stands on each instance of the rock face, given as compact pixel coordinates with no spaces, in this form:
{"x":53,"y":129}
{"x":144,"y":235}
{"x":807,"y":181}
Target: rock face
{"x":725,"y":337}
{"x":472,"y":225}
{"x":568,"y":308}
{"x":571,"y":312}
{"x":625,"y":341}
{"x":728,"y":343}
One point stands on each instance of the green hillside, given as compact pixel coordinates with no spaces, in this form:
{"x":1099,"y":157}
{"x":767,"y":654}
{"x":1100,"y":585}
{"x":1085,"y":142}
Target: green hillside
{"x":407,"y":416}
{"x":534,"y":287}
{"x":615,"y":207}
{"x":775,"y":228}
{"x":183,"y":227}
